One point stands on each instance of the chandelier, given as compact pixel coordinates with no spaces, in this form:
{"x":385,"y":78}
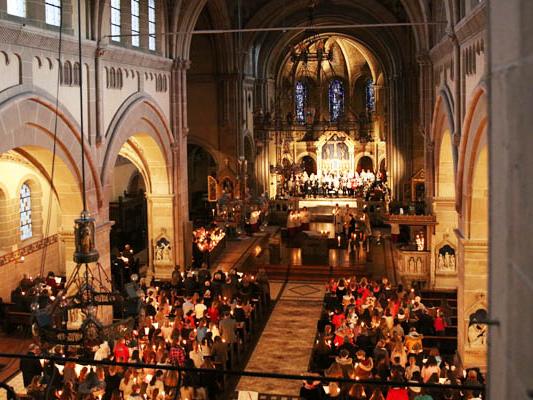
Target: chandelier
{"x":76,"y":315}
{"x":302,"y":53}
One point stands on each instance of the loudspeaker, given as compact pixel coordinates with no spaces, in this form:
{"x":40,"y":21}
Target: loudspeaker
{"x":131,"y":291}
{"x":43,"y":319}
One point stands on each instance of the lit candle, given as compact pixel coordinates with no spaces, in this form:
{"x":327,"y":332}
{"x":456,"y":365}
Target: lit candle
{"x":339,"y":241}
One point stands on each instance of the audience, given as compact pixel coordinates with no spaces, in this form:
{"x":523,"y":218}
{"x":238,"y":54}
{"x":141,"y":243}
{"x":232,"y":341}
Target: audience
{"x":372,"y":331}
{"x":180,"y":324}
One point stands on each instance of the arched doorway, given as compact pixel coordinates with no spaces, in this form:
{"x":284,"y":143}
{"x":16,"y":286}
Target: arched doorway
{"x":365,"y":163}
{"x":308,"y":164}
{"x":200,"y":164}
{"x":128,"y":208}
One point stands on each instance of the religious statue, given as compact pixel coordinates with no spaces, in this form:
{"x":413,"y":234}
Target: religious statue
{"x":162,"y":250}
{"x":86,"y":240}
{"x":477,"y":329}
{"x":446,"y":258}
{"x":420,"y":242}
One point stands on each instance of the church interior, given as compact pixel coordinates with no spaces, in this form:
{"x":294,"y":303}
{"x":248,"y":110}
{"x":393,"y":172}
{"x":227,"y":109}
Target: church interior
{"x":261,"y":199}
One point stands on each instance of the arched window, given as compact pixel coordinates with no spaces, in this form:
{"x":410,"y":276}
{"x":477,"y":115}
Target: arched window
{"x":370,"y":99}
{"x":336,"y":99}
{"x":25,"y":212}
{"x":300,"y":100}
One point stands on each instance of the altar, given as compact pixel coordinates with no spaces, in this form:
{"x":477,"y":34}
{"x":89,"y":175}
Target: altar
{"x":335,"y":154}
{"x":336,"y":164}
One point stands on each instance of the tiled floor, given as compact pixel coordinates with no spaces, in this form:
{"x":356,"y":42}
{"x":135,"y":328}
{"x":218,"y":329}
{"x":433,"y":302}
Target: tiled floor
{"x":286,"y":343}
{"x":17,"y":384}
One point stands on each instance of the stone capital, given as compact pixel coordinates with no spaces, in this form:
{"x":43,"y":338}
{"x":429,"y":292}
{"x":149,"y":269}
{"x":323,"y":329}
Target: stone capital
{"x":181,"y":64}
{"x":423,"y":59}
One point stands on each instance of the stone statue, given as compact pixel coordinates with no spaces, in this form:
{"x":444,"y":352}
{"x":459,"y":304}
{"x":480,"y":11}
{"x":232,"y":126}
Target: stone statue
{"x":440,"y":262}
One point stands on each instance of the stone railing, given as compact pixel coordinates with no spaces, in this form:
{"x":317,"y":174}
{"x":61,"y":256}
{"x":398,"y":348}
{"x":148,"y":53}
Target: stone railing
{"x":412,"y":265}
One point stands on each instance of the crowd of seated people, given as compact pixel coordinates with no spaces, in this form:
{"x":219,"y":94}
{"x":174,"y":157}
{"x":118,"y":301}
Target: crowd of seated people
{"x":33,"y":293}
{"x":372,"y":331}
{"x":196,"y":320}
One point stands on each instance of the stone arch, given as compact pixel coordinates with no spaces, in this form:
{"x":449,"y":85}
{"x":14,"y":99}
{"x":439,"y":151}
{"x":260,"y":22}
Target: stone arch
{"x":140,"y":133}
{"x":444,"y":151}
{"x":473,"y":138}
{"x":303,"y":154}
{"x":142,"y":125}
{"x":362,"y":154}
{"x":217,"y":155}
{"x":29,"y":116}
{"x":365,"y":159}
{"x":477,"y":216}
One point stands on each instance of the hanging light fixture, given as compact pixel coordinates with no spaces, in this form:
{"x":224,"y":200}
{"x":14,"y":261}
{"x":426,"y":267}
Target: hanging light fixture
{"x":71,"y":319}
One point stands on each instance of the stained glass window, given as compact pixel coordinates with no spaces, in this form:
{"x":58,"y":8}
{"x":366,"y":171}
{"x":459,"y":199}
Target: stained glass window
{"x":16,"y":7}
{"x":135,"y":23}
{"x":300,"y":100}
{"x":151,"y":24}
{"x":53,"y":12}
{"x":115,"y":20}
{"x":25,"y":212}
{"x":370,"y":98}
{"x":336,"y":99}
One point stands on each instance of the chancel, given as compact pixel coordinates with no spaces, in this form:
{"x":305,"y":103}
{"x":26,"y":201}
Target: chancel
{"x":228,"y":199}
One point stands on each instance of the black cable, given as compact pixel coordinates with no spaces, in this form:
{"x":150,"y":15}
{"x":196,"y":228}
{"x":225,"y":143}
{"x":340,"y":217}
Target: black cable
{"x":301,"y":377}
{"x":54,"y":146}
{"x":82,"y":134}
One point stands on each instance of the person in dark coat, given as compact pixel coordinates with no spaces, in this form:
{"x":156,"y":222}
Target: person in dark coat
{"x":312,"y":390}
{"x":31,"y":367}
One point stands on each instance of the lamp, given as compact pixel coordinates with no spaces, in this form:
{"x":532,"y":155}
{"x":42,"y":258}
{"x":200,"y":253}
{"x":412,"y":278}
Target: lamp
{"x":86,"y":288}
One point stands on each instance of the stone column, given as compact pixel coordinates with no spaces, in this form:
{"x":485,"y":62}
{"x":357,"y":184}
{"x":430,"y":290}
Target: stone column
{"x":511,"y":189}
{"x":180,"y":128}
{"x":446,"y":215}
{"x":471,"y":296}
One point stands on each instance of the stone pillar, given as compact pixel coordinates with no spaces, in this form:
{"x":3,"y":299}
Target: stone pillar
{"x":66,"y":251}
{"x":511,"y":189}
{"x":180,"y":128}
{"x":471,"y":297}
{"x":446,"y":215}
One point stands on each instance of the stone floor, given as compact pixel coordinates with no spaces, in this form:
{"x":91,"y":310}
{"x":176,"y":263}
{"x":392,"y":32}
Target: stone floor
{"x":286,"y":343}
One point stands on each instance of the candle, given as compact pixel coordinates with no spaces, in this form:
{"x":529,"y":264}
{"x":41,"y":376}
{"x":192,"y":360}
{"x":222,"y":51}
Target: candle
{"x":339,"y":241}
